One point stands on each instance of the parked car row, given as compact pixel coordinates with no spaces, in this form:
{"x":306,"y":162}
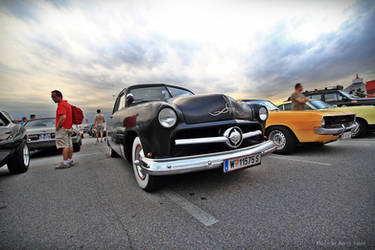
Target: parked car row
{"x":163,"y":129}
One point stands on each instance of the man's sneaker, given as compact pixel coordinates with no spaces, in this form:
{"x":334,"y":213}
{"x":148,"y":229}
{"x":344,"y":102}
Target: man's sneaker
{"x":73,"y":163}
{"x":62,"y":166}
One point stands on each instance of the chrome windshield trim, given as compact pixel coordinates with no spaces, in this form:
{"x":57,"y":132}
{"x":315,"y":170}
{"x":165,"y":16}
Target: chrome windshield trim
{"x":217,"y":139}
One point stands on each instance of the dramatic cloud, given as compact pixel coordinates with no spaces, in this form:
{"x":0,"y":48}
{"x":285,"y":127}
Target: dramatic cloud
{"x":90,"y":50}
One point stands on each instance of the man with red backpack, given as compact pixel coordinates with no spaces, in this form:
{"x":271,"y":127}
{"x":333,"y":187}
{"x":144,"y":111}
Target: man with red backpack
{"x":64,"y":130}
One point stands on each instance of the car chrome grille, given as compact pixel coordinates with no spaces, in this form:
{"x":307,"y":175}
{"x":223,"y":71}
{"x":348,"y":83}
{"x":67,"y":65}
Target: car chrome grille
{"x":338,"y":121}
{"x":211,"y":132}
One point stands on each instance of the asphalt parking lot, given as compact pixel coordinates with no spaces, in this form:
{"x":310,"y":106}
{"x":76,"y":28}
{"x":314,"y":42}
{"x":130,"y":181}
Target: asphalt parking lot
{"x":321,"y":196}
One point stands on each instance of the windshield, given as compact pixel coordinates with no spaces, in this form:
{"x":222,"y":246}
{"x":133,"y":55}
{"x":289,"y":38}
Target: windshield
{"x":42,"y":123}
{"x":176,"y":92}
{"x":269,"y":105}
{"x":347,"y":95}
{"x":157,"y":93}
{"x":318,"y":104}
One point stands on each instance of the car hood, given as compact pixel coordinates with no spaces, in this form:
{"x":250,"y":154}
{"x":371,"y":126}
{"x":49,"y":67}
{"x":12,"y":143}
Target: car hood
{"x":325,"y":112}
{"x":364,"y":100}
{"x":209,"y":108}
{"x":31,"y":131}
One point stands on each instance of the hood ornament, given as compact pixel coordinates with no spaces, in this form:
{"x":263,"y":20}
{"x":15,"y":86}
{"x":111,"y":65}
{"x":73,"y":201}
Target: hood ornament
{"x":219,"y":112}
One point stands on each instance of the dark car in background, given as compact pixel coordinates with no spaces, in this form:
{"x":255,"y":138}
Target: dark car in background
{"x":336,"y":96}
{"x":166,"y":130}
{"x":41,"y":134}
{"x":92,"y":130}
{"x":13,"y":147}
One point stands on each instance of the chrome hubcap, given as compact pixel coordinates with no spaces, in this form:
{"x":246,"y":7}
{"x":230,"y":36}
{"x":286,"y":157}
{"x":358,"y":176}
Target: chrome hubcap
{"x":355,"y":132}
{"x":138,"y":155}
{"x":278,"y":138}
{"x":26,"y":155}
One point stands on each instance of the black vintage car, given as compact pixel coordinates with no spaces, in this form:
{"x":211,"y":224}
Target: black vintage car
{"x":164,"y":130}
{"x":13,"y":148}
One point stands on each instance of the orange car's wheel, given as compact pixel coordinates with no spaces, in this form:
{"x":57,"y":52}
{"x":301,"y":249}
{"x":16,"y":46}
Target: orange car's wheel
{"x":283,"y":138}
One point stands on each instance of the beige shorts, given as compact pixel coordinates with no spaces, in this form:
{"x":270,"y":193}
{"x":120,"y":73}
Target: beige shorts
{"x":64,"y":138}
{"x":99,"y":128}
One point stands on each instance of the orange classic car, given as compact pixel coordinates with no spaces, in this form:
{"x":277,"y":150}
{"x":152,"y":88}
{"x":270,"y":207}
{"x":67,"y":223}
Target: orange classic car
{"x":288,"y":128}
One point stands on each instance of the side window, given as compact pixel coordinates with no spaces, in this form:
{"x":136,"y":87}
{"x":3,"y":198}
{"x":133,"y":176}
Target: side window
{"x":331,"y":97}
{"x":121,"y":102}
{"x":315,"y":97}
{"x":3,"y":121}
{"x":287,"y":106}
{"x":307,"y":107}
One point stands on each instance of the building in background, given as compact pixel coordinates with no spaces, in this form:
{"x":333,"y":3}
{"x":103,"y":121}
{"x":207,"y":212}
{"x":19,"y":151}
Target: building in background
{"x":370,"y":88}
{"x":357,"y":88}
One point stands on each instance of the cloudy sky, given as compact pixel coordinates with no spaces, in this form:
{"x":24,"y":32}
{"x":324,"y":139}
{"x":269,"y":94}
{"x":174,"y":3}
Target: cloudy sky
{"x":90,"y":50}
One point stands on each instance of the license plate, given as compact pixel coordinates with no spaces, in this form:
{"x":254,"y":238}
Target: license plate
{"x":45,"y":137}
{"x":243,"y":162}
{"x":346,"y":135}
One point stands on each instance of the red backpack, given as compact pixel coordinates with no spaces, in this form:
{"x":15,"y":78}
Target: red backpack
{"x":77,"y":115}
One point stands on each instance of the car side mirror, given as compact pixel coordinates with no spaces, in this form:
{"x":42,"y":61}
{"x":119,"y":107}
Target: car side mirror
{"x":129,"y":98}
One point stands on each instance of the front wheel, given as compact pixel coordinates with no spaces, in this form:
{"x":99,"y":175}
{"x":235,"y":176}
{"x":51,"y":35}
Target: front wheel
{"x":283,"y":138}
{"x":361,"y":130}
{"x":144,"y":180}
{"x":20,"y":161}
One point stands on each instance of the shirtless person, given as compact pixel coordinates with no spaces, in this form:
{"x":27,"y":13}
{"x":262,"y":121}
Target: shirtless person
{"x":99,"y":125}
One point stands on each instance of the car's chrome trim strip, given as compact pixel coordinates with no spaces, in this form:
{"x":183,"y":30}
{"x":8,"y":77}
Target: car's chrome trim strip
{"x":186,"y":164}
{"x":217,"y":139}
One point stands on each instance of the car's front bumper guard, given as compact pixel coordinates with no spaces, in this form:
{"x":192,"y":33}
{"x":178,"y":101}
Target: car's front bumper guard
{"x":336,"y":131}
{"x":186,"y":164}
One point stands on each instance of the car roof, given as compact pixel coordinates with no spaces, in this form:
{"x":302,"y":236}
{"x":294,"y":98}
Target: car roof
{"x":155,"y":85}
{"x":245,"y":99}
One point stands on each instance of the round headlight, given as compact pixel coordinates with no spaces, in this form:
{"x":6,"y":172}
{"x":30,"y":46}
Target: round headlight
{"x":263,"y":113}
{"x":167,"y":117}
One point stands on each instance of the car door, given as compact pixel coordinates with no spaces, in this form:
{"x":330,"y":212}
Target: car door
{"x":115,"y":128}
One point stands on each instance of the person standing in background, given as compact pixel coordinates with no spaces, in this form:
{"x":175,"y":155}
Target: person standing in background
{"x":64,"y":129}
{"x":32,"y":117}
{"x":23,"y":121}
{"x":298,"y":99}
{"x":99,"y":125}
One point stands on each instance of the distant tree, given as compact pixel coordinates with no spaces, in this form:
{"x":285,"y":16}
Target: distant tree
{"x":360,"y":93}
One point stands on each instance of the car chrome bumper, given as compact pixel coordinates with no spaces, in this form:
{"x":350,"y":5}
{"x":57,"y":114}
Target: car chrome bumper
{"x":336,"y":131}
{"x":186,"y":164}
